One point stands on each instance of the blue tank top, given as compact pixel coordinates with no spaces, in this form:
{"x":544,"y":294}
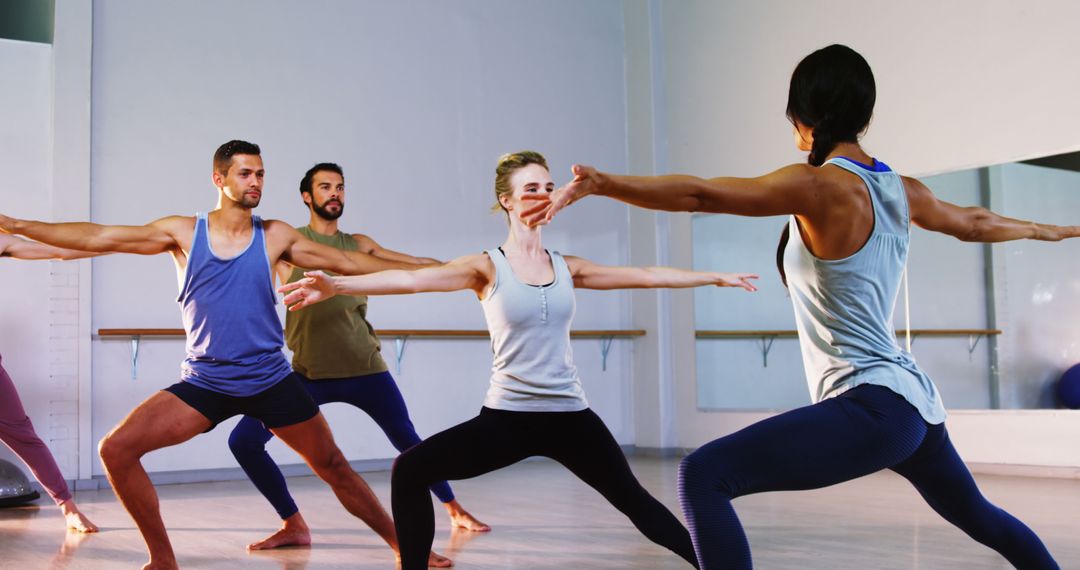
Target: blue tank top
{"x":234,"y":335}
{"x":844,"y":307}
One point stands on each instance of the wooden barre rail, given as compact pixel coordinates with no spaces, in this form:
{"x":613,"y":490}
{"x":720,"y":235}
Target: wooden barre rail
{"x":899,"y":332}
{"x":766,"y":337}
{"x":436,"y":333}
{"x":400,"y":336}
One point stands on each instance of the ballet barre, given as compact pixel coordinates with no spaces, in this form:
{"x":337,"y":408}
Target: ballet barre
{"x":766,"y":337}
{"x":400,"y":336}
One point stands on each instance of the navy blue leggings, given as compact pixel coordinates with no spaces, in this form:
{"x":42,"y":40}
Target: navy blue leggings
{"x":376,"y":394}
{"x":865,"y":430}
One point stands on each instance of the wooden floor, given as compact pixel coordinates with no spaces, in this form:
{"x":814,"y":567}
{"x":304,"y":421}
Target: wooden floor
{"x":544,"y":518}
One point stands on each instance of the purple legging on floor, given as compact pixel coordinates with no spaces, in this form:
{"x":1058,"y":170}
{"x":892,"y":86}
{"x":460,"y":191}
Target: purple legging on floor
{"x":17,"y":432}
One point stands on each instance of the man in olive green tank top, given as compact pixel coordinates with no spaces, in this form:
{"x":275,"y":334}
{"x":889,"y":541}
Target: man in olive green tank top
{"x":337,"y":354}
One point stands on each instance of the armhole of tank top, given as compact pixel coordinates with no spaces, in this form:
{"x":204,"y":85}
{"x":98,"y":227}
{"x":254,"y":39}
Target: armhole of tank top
{"x":182,"y":280}
{"x":495,"y":281}
{"x":907,"y":205}
{"x":350,"y":241}
{"x":559,"y":265}
{"x":259,"y":226}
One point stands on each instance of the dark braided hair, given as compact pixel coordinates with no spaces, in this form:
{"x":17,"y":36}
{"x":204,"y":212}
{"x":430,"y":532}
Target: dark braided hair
{"x":832,"y":93}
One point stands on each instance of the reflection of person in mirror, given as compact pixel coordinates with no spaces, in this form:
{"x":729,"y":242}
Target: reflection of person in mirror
{"x":842,"y":256}
{"x":535,"y":405}
{"x":16,"y":430}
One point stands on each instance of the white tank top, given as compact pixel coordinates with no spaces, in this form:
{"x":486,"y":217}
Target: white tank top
{"x":844,"y":307}
{"x":533,"y":368}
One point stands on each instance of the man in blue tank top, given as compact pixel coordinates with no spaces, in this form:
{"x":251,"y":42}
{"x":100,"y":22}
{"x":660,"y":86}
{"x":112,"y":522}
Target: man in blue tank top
{"x":234,"y":363}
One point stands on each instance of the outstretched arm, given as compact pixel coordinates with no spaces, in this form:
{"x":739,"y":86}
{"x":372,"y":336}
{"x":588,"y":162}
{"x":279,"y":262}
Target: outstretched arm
{"x":156,"y":237}
{"x":18,"y":248}
{"x":469,"y":272}
{"x":975,"y":224}
{"x":370,"y":246}
{"x":302,"y":252}
{"x":791,"y":190}
{"x":589,"y":275}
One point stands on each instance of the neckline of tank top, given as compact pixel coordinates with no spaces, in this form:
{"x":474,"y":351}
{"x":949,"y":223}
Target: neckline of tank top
{"x":545,"y":285}
{"x":210,"y":242}
{"x":878,"y":166}
{"x":316,"y":232}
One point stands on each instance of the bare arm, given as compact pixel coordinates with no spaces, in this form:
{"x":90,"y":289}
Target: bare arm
{"x":793,"y":189}
{"x":471,"y":272}
{"x":370,"y":246}
{"x":156,"y":237}
{"x":302,"y":252}
{"x":18,"y":248}
{"x":589,"y":275}
{"x":975,"y":224}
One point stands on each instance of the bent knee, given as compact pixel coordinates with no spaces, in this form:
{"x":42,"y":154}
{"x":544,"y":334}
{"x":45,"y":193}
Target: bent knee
{"x":408,"y":467}
{"x":701,"y":472}
{"x":113,"y":449}
{"x":242,"y":445}
{"x":331,"y":465}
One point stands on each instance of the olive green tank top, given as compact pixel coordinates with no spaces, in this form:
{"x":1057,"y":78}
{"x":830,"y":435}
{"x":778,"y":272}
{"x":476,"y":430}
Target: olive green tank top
{"x":333,"y":339}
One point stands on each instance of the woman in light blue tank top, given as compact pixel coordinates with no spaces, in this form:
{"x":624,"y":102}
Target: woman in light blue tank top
{"x":849,"y":229}
{"x":535,"y":405}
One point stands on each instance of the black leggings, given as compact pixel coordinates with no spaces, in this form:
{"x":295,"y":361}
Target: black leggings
{"x":498,"y":438}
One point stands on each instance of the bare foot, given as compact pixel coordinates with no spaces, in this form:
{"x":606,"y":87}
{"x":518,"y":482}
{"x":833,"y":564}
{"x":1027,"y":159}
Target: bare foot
{"x":435,"y":560}
{"x":76,"y":521}
{"x":460,"y":518}
{"x":294,"y":531}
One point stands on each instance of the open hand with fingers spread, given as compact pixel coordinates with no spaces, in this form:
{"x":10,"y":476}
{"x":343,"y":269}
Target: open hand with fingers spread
{"x":736,"y":280}
{"x":315,"y":287}
{"x":586,"y":181}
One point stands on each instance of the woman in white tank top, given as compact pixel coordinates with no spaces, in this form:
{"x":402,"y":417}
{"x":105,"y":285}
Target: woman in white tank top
{"x":535,"y":405}
{"x":850,"y":225}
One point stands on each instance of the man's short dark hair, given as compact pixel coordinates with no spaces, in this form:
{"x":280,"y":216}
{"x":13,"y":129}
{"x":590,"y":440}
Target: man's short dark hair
{"x":224,"y":155}
{"x":308,"y":179}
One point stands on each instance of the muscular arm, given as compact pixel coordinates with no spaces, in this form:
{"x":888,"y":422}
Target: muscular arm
{"x":975,"y":224}
{"x":471,"y":272}
{"x":589,"y":275}
{"x":18,"y":248}
{"x":156,"y":237}
{"x":370,"y":246}
{"x":302,"y":252}
{"x":794,"y":189}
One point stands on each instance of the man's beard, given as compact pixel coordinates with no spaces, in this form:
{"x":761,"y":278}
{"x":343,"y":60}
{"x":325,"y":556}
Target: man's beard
{"x":327,"y":215}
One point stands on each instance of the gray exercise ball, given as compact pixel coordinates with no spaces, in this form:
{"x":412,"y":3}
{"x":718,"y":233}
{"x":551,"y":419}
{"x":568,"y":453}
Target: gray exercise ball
{"x":15,"y":488}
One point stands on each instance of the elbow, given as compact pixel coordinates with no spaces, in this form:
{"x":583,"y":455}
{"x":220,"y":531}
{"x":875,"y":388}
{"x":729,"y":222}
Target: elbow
{"x":695,"y":201}
{"x":977,"y":229}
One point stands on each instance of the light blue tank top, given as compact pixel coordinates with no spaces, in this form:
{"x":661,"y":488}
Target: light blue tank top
{"x":234,"y":335}
{"x":533,"y":367}
{"x":844,"y":307}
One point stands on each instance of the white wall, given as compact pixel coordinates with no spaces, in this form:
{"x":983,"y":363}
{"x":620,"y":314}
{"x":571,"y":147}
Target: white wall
{"x":959,"y":85}
{"x":415,"y":100}
{"x":25,"y":184}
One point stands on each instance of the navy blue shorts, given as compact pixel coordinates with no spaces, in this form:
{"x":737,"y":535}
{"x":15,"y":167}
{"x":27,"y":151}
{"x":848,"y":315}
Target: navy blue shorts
{"x":283,"y":404}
